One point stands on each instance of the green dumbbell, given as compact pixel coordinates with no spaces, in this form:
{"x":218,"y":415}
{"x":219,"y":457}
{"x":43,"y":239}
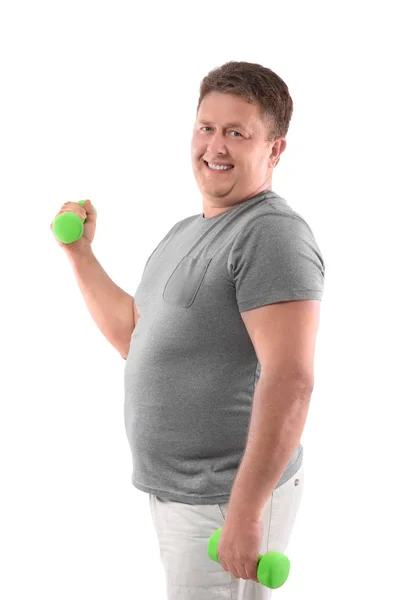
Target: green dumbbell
{"x":68,"y":227}
{"x":272,"y":568}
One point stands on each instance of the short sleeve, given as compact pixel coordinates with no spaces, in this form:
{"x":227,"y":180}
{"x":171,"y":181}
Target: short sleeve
{"x":275,"y":258}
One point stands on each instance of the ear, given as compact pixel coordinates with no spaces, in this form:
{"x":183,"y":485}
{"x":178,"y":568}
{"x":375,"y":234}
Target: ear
{"x":276,"y":151}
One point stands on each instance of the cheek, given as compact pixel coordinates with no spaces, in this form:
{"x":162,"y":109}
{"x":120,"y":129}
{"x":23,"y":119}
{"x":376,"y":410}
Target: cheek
{"x":195,"y":152}
{"x":251,"y":164}
{"x":196,"y":159}
{"x":196,"y":144}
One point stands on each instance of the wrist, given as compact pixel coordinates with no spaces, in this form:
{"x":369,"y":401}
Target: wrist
{"x":79,"y":254}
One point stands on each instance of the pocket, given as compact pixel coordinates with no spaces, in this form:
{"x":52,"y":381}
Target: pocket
{"x":293,"y":486}
{"x":222,"y":509}
{"x":152,"y":503}
{"x":184,"y":283}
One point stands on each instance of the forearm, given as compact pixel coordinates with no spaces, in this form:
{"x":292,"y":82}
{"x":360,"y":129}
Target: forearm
{"x":110,"y":307}
{"x":277,"y":421}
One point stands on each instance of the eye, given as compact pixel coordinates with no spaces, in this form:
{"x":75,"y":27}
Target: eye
{"x":237,"y":133}
{"x":206,"y":127}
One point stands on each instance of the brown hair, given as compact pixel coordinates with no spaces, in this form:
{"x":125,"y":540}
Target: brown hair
{"x":255,"y":84}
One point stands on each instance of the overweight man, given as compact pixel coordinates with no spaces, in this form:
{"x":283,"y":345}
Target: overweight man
{"x":219,"y":342}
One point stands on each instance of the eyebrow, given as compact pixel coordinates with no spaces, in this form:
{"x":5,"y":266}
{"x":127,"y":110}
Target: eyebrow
{"x":227,"y":125}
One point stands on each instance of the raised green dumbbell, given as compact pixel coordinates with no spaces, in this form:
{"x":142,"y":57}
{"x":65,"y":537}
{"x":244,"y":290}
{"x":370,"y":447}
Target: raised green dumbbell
{"x":68,"y":227}
{"x":273,"y":567}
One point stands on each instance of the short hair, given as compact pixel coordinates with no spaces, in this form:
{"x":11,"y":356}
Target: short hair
{"x":255,"y":84}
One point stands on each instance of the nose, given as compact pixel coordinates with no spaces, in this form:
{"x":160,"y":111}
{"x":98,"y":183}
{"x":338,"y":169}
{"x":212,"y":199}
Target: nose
{"x":216,"y":144}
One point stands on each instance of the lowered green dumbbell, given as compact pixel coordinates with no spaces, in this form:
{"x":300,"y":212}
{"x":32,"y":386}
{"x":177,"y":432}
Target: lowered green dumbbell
{"x":68,"y":227}
{"x":273,"y":567}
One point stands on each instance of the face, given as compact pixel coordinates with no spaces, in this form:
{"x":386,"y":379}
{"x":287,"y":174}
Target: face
{"x":231,"y":132}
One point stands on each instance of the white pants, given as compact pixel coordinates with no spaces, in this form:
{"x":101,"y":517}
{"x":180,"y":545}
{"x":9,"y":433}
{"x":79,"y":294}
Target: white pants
{"x":183,"y":531}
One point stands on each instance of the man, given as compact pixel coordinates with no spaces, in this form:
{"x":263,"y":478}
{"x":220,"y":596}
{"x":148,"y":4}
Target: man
{"x":219,"y":357}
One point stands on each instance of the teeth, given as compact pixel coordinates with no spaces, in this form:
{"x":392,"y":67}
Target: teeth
{"x":220,"y":167}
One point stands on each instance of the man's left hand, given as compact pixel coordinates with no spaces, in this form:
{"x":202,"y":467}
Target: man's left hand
{"x":239,"y":546}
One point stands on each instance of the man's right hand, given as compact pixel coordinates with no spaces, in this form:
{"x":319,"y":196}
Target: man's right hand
{"x":87,"y":212}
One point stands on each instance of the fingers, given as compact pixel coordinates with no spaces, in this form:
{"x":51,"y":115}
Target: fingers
{"x":251,"y":571}
{"x":73,"y":207}
{"x":243,"y":571}
{"x":90,"y":210}
{"x":239,"y":573}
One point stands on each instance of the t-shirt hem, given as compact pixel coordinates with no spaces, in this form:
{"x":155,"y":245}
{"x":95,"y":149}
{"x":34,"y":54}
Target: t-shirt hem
{"x":263,"y":301}
{"x":217,"y":498}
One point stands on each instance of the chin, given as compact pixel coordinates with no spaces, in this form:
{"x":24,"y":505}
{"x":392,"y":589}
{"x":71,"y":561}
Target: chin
{"x":217,"y":193}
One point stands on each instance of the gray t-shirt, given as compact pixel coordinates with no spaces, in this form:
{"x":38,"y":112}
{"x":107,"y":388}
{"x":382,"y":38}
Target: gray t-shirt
{"x":191,"y":371}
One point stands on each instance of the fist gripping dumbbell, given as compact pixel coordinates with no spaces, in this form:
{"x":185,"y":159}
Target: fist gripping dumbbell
{"x":273,"y":567}
{"x":68,"y":227}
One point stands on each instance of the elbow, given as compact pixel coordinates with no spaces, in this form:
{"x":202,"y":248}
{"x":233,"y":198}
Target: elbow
{"x":123,"y":348}
{"x":124,"y":352}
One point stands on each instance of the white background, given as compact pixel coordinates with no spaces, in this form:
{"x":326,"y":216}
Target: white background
{"x":98,"y":101}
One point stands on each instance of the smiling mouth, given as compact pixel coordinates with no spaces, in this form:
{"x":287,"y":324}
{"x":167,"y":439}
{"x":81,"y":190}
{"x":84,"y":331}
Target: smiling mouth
{"x":215,"y":168}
